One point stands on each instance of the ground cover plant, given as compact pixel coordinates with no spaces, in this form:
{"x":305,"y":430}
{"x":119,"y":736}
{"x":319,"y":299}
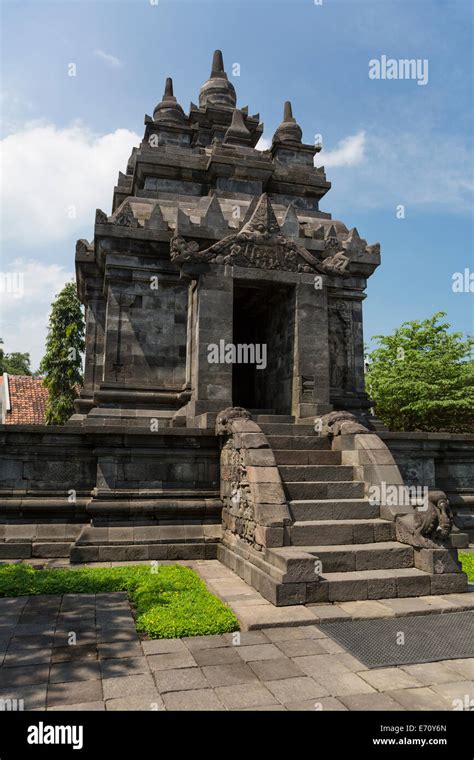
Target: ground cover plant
{"x":169,"y":601}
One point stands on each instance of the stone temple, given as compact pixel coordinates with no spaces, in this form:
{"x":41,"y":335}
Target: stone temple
{"x":223,"y":412}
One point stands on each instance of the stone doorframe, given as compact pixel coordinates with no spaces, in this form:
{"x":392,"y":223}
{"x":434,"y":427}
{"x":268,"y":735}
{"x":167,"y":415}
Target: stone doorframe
{"x":211,"y":320}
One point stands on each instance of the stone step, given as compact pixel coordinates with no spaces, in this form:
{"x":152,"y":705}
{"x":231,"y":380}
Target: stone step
{"x":377,"y":584}
{"x":338,"y":489}
{"x":303,"y":442}
{"x":318,"y":472}
{"x":299,"y":563}
{"x":142,"y":552}
{"x":306,"y":456}
{"x":344,"y":558}
{"x":337,"y":532}
{"x":287,"y":429}
{"x":333,"y":509}
{"x":274,"y":419}
{"x":15,"y":550}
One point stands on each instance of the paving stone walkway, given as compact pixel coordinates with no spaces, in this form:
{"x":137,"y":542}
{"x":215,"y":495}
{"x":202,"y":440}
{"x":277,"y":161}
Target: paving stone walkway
{"x":82,"y":652}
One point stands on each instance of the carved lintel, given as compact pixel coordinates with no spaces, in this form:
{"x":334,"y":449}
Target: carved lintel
{"x":260,"y":244}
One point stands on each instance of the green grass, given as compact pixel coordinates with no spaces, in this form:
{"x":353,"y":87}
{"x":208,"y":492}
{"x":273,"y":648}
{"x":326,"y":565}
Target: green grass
{"x":169,"y":600}
{"x":467,"y":561}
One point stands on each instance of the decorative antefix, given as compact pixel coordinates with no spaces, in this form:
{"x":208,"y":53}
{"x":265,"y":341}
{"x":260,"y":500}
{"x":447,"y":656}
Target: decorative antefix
{"x":254,"y":503}
{"x":339,"y":423}
{"x":260,"y":244}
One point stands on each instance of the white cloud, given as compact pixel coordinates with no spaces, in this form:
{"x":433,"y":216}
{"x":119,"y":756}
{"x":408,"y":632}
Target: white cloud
{"x":24,"y":317}
{"x":405,"y":168}
{"x":264,"y":143}
{"x":348,"y":152}
{"x":54,"y":179}
{"x":108,"y":58}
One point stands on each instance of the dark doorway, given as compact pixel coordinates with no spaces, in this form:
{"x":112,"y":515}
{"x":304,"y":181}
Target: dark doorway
{"x":264,"y":325}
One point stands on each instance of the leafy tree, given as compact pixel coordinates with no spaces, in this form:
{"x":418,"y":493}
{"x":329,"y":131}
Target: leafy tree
{"x":422,"y":377}
{"x":62,"y":362}
{"x":14,"y":363}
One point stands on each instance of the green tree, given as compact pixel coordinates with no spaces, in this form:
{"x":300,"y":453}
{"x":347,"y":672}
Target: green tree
{"x":15,"y":363}
{"x":62,"y":362}
{"x":422,"y":377}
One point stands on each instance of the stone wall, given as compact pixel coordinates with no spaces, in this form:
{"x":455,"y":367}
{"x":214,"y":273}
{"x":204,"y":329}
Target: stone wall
{"x":146,"y":333}
{"x":439,"y":460}
{"x":74,"y":472}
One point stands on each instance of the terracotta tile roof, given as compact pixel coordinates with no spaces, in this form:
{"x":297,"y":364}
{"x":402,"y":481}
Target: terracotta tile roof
{"x":27,"y":401}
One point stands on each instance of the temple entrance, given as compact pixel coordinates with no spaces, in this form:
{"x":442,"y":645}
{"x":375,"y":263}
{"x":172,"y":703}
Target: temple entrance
{"x":263,"y":340}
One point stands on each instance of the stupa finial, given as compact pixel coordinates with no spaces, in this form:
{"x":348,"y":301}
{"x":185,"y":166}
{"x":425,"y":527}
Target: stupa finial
{"x":168,"y":111}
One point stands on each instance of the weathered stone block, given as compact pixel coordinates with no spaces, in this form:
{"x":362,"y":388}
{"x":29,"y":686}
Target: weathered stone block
{"x":449,"y":583}
{"x":436,"y":561}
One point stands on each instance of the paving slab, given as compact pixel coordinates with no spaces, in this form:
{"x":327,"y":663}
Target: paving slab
{"x":297,"y":632}
{"x":123,"y":666}
{"x":204,"y":642}
{"x":293,"y":689}
{"x":76,"y":670}
{"x":74,"y":652}
{"x":154,"y":704}
{"x":130,"y":686}
{"x":423,"y":698}
{"x":372,"y":701}
{"x":319,"y":705}
{"x":74,"y":692}
{"x":389,"y":679}
{"x":223,"y":656}
{"x":275,"y":670}
{"x":429,"y":673}
{"x":328,"y":612}
{"x":171,"y":660}
{"x":327,"y":665}
{"x":229,"y":674}
{"x":81,"y":707}
{"x":24,"y":675}
{"x":464,"y":668}
{"x":245,"y":695}
{"x":27,"y":657}
{"x":344,"y":684}
{"x":33,"y":697}
{"x":366,"y":609}
{"x":245,"y":638}
{"x":180,"y":679}
{"x":194,"y":699}
{"x":118,"y":649}
{"x":301,"y":647}
{"x":163,"y":646}
{"x":408,"y":606}
{"x":259,"y":652}
{"x":455,"y":691}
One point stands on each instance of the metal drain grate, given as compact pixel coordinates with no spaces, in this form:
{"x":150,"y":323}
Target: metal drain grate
{"x":426,"y":638}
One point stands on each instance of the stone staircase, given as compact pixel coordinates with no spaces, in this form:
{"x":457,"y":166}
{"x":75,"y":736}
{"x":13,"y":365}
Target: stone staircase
{"x":336,"y":533}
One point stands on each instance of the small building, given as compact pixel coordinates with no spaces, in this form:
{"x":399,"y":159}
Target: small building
{"x":214,"y":245}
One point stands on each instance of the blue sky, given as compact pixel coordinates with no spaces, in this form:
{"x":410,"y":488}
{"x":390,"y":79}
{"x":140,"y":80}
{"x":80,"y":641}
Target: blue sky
{"x":386,"y":142}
